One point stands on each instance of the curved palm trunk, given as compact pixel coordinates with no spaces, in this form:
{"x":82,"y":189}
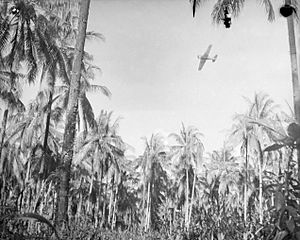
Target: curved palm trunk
{"x":70,"y":127}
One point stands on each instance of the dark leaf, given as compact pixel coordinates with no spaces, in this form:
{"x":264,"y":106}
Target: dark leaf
{"x":273,"y":147}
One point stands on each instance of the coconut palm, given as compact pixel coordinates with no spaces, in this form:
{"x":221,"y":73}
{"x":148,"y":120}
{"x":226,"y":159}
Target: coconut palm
{"x":85,"y":110}
{"x":70,"y":127}
{"x":102,"y":155}
{"x":10,"y":94}
{"x":253,"y":139}
{"x":25,"y":42}
{"x":153,"y":179}
{"x":261,"y":108}
{"x":188,"y":153}
{"x":25,"y":133}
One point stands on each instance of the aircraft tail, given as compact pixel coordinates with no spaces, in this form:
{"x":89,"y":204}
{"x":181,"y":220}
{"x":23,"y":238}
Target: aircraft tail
{"x":214,"y":58}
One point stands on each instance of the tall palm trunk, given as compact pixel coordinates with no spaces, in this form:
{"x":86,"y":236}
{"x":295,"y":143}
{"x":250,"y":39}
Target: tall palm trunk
{"x":260,"y":156}
{"x":70,"y":127}
{"x":192,"y":200}
{"x":114,"y":217}
{"x":147,"y":221}
{"x":295,"y":74}
{"x":48,"y":120}
{"x":143,"y":202}
{"x":149,"y":213}
{"x":47,"y":127}
{"x":245,"y":190}
{"x":2,"y":156}
{"x":100,"y":191}
{"x":4,"y":123}
{"x":110,"y":205}
{"x":186,"y":216}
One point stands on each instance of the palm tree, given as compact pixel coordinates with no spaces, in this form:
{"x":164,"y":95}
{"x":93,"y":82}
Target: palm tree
{"x":22,"y":45}
{"x":261,"y":109}
{"x":10,"y":93}
{"x":103,"y":149}
{"x":188,"y":150}
{"x":253,"y":139}
{"x":85,"y":110}
{"x":70,"y":127}
{"x":25,"y":133}
{"x":154,"y":178}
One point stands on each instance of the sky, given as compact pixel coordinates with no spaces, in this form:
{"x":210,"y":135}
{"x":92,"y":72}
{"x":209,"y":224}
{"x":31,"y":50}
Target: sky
{"x":149,"y":63}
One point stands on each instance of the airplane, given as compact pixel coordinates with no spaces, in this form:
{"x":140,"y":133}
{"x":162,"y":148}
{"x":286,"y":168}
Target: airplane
{"x":205,"y":57}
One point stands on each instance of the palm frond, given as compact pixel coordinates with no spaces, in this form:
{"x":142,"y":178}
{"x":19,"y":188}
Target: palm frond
{"x":87,"y":111}
{"x":91,"y":35}
{"x":218,"y":9}
{"x":269,"y":9}
{"x":103,"y":89}
{"x":177,"y":138}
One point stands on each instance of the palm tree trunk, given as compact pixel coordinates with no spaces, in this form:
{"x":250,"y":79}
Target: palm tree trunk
{"x":100,"y":190}
{"x":110,"y":206}
{"x":70,"y":127}
{"x":103,"y":221}
{"x":4,"y":123}
{"x":45,"y":143}
{"x":48,"y":121}
{"x":192,"y":199}
{"x":3,"y":192}
{"x":295,"y":74}
{"x":245,"y":191}
{"x":2,"y":158}
{"x":79,"y":206}
{"x":147,"y":208}
{"x":186,"y":218}
{"x":260,"y":182}
{"x":113,"y":225}
{"x":143,"y":202}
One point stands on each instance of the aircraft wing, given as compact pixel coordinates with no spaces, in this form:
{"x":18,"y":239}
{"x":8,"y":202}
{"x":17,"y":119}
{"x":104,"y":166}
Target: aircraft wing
{"x":205,"y":55}
{"x":201,"y":64}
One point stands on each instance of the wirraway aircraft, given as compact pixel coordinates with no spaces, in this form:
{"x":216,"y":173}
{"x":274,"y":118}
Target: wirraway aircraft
{"x":206,"y":57}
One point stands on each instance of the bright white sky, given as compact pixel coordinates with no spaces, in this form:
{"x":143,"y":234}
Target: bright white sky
{"x":149,"y":62}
